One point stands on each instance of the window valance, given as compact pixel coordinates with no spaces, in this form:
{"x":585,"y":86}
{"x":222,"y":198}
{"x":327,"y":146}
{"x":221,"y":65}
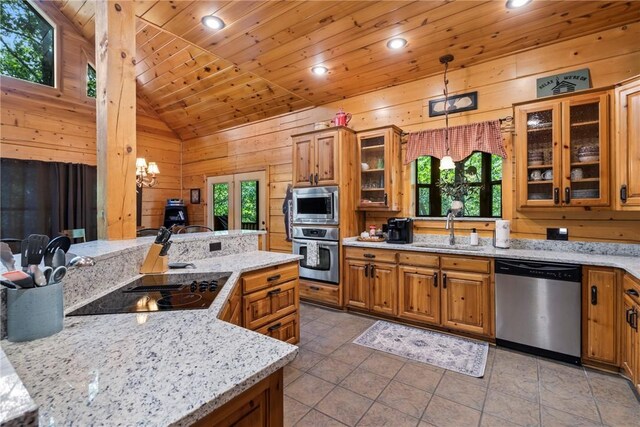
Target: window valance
{"x":463,"y":140}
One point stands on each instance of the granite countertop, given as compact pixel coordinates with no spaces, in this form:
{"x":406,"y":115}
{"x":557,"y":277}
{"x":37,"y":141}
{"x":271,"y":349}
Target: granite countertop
{"x":164,"y":368}
{"x":562,"y":254}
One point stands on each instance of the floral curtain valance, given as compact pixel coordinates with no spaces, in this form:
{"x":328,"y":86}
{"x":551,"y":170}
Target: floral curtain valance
{"x":463,"y":140}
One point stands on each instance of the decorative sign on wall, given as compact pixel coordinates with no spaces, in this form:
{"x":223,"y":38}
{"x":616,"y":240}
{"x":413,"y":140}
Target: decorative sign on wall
{"x":563,"y":83}
{"x":457,"y":104}
{"x":195,"y":196}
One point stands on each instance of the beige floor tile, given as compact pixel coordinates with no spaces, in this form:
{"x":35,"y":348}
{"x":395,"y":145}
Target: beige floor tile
{"x":564,"y":380}
{"x":558,"y":396}
{"x":324,"y":345}
{"x":460,"y":391}
{"x":445,"y":413}
{"x":382,"y":365}
{"x":554,"y":418}
{"x":344,"y":405}
{"x":308,"y":389}
{"x":352,"y":354}
{"x":331,"y":370}
{"x":520,"y":411}
{"x":612,"y":388}
{"x":515,"y":384}
{"x":409,"y":400}
{"x":614,"y":414}
{"x":306,"y":359}
{"x":365,"y":383}
{"x":380,"y":415}
{"x":421,"y":376}
{"x":306,"y":337}
{"x":293,"y":411}
{"x":482,"y":381}
{"x":291,"y":374}
{"x":318,"y":419}
{"x":489,"y":420}
{"x":311,"y":312}
{"x":512,"y":361}
{"x":316,"y":328}
{"x":334,"y":318}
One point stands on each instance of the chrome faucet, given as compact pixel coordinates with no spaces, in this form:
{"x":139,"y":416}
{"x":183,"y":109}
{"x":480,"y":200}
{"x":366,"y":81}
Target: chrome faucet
{"x":449,"y":226}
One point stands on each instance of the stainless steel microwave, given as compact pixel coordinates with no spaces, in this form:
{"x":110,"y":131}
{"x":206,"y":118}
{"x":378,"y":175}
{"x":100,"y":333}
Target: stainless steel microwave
{"x":316,"y":205}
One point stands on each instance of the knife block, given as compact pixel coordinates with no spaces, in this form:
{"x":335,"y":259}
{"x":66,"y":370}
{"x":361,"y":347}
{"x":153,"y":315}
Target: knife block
{"x":154,"y":263}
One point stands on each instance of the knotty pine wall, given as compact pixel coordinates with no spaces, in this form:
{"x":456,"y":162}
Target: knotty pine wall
{"x":59,"y":124}
{"x":611,"y":56}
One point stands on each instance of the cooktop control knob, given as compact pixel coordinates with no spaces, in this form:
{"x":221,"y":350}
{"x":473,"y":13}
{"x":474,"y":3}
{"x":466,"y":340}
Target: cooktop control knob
{"x":194,"y":286}
{"x":213,"y":286}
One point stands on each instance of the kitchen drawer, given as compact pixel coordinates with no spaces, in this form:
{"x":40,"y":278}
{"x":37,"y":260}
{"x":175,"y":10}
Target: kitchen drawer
{"x":267,"y":277}
{"x":285,"y":329}
{"x":631,"y":286}
{"x":328,"y":294}
{"x":366,"y":254}
{"x":419,"y":259}
{"x":268,"y":304}
{"x":478,"y":265}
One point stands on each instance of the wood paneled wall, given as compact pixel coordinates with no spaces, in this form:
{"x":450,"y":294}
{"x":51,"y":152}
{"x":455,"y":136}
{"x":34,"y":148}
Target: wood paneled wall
{"x":611,"y":56}
{"x":59,"y":124}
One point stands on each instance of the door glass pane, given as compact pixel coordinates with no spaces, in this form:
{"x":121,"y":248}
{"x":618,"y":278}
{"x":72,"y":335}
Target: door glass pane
{"x":221,"y":206}
{"x":540,"y":155}
{"x":249,"y":205}
{"x":324,"y":259}
{"x":585,"y":151}
{"x":372,"y":170}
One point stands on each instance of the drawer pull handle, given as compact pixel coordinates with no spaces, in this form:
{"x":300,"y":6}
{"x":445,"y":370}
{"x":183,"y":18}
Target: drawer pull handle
{"x":275,"y":327}
{"x":272,"y":278}
{"x":314,"y":288}
{"x":594,"y":295}
{"x":274,"y":292}
{"x":632,"y":292}
{"x":369,"y":255}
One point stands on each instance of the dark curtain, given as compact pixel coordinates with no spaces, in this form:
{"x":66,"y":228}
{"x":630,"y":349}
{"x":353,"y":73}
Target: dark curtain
{"x":46,"y":198}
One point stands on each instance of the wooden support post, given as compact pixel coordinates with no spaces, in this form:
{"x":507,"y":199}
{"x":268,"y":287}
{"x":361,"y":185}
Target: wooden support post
{"x":116,"y":119}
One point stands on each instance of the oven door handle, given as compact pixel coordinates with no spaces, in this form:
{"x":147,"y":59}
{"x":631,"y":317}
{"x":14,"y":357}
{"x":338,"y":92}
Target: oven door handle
{"x":320,"y":242}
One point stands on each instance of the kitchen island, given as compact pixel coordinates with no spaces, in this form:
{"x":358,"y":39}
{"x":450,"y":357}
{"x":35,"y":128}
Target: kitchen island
{"x":163,"y":368}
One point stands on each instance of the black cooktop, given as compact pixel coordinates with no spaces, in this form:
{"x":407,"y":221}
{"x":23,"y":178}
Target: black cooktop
{"x":159,"y":292}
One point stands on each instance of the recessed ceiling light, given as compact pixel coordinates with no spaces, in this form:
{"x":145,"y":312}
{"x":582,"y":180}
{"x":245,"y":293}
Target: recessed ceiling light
{"x":514,"y":4}
{"x":213,"y":22}
{"x":319,"y":70}
{"x":396,"y":43}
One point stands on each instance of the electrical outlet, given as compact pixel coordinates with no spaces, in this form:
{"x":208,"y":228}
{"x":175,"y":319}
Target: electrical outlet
{"x":557,"y":234}
{"x":215,"y":246}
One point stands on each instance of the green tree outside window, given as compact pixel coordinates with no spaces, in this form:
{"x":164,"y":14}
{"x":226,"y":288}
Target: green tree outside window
{"x":91,"y":81}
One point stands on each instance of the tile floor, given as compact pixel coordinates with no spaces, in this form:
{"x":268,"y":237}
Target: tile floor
{"x":333,"y":382}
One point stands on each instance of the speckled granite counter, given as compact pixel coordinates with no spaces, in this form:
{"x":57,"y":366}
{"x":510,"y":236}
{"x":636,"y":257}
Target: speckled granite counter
{"x":626,"y":257}
{"x":165,"y":368}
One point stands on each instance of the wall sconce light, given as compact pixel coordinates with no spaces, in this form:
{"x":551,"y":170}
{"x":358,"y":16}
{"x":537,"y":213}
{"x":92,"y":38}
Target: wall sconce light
{"x":143,"y":171}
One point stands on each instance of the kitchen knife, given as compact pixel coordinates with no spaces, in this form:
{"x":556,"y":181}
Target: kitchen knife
{"x":165,"y":248}
{"x":160,"y":235}
{"x":166,"y":236}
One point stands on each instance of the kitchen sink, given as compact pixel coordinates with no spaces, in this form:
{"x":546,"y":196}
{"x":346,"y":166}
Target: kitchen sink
{"x":445,"y":246}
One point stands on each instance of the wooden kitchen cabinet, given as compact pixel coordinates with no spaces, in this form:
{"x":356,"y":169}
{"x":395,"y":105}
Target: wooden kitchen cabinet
{"x":562,"y":151}
{"x":358,"y":284}
{"x":383,"y":280}
{"x":316,"y":156}
{"x":627,"y":148}
{"x":380,"y":166}
{"x":630,"y":362}
{"x":466,"y":304}
{"x":600,"y":326}
{"x":419,"y":294}
{"x":232,"y":310}
{"x":269,"y":304}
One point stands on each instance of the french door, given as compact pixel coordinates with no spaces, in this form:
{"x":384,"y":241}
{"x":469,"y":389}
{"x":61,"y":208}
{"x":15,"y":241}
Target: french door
{"x":237,"y":202}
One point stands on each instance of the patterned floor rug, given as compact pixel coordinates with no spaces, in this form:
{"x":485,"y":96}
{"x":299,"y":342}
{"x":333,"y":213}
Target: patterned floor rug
{"x":456,"y":354}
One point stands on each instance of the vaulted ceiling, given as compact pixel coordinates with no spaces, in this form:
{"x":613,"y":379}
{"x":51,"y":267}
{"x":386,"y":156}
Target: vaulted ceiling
{"x":258,"y":66}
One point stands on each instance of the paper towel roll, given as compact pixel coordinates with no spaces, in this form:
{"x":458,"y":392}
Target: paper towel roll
{"x":503,"y":230}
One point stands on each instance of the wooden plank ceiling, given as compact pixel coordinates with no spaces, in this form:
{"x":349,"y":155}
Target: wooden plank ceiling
{"x":258,"y":66}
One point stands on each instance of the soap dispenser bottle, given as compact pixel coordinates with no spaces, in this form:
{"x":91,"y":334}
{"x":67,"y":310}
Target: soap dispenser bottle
{"x":473,"y":237}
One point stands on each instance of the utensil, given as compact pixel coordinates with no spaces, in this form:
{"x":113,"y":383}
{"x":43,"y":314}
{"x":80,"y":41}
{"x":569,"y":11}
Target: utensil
{"x":60,"y":242}
{"x":37,"y":245}
{"x":165,"y":248}
{"x":6,"y":256}
{"x":181,"y":265}
{"x":38,"y":276}
{"x":8,"y":283}
{"x":81,"y":261}
{"x":24,"y":252}
{"x":19,"y":278}
{"x":59,"y":259}
{"x":55,"y":275}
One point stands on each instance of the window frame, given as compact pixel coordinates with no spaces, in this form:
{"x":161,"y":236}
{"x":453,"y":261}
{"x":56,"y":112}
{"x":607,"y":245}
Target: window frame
{"x":19,"y":83}
{"x":435,"y":195}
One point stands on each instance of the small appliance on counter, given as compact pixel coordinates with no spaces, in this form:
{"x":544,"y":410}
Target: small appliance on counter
{"x":400,"y":230}
{"x":175,"y":213}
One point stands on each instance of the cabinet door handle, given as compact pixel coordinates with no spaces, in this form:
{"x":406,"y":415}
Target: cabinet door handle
{"x":567,"y":195}
{"x":316,"y":179}
{"x":631,"y":292}
{"x":366,"y":270}
{"x":556,"y":196}
{"x":623,"y":193}
{"x":274,"y":292}
{"x":311,"y":178}
{"x":274,"y":327}
{"x":386,"y":199}
{"x":627,"y":315}
{"x":634,"y":319}
{"x":314,"y":288}
{"x":369,"y":255}
{"x":444,"y":281}
{"x":272,"y":278}
{"x":594,"y":295}
{"x":435,"y":280}
{"x":373,"y":270}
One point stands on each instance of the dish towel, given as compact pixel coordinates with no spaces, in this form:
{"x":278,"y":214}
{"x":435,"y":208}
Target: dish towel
{"x":313,"y":258}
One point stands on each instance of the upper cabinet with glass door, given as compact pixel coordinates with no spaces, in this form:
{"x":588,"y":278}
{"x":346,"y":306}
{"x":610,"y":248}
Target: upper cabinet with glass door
{"x":380,"y":184}
{"x":562,"y":151}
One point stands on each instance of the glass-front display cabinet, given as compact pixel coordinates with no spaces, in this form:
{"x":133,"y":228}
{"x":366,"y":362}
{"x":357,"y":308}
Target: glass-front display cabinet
{"x":562,"y":151}
{"x":380,"y":183}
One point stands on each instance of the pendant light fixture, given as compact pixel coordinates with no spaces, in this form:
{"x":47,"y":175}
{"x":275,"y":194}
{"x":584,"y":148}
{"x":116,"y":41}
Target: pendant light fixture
{"x":446,"y":162}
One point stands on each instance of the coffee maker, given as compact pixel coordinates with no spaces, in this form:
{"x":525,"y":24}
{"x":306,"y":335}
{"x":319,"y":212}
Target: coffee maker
{"x":400,"y":230}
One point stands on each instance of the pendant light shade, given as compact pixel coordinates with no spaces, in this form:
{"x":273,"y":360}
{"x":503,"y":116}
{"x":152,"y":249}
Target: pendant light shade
{"x":447,"y":163}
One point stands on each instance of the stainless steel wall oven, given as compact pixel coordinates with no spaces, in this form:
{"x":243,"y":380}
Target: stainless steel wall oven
{"x":325,"y":266}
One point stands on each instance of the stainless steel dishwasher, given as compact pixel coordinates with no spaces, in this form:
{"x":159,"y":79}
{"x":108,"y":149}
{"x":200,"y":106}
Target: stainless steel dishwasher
{"x":538,"y":308}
